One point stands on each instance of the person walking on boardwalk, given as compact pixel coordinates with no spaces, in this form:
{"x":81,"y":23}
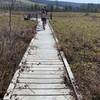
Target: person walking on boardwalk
{"x":44,"y":15}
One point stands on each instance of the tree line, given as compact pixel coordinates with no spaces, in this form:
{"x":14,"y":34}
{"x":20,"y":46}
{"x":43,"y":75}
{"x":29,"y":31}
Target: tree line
{"x":19,"y":6}
{"x":83,"y":8}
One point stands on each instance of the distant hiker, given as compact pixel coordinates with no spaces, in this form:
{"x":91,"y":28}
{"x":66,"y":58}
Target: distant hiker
{"x":44,"y":15}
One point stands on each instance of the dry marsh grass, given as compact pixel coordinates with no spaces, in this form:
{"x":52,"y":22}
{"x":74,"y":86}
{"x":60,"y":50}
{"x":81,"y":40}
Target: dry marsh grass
{"x":12,"y":48}
{"x":79,"y":36}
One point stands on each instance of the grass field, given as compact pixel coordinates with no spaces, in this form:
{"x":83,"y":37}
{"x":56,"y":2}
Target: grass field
{"x":79,"y":37}
{"x":13,"y":45}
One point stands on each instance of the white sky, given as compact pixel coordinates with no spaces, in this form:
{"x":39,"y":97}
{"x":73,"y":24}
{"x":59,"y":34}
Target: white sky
{"x":82,"y":1}
{"x":77,"y":1}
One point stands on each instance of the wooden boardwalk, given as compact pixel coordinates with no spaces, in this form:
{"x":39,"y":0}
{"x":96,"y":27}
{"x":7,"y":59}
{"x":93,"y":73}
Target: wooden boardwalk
{"x":42,"y":74}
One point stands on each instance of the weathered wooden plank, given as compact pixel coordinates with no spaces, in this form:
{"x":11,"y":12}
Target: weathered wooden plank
{"x":41,"y":81}
{"x":43,"y":72}
{"x":65,"y":97}
{"x":41,"y":86}
{"x":39,"y":92}
{"x":40,"y":76}
{"x":42,"y":66}
{"x":44,"y":69}
{"x":42,"y":63}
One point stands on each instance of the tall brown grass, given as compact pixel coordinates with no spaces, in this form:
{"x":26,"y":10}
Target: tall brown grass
{"x":13,"y":46}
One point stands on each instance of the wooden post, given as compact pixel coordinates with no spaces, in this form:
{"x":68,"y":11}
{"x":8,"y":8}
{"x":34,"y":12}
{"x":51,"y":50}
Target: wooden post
{"x":10,"y":17}
{"x":51,"y":12}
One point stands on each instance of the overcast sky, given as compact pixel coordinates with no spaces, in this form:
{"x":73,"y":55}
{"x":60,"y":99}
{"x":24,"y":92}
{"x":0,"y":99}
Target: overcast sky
{"x":83,"y":1}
